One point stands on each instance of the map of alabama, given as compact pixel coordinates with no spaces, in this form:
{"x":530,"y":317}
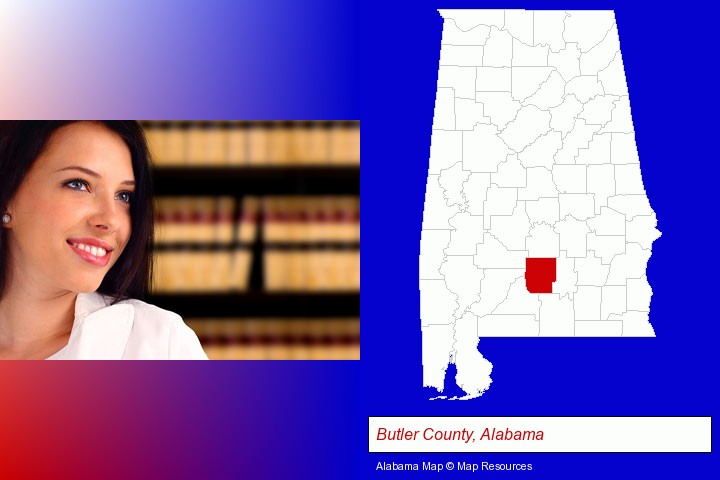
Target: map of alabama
{"x":536,"y":221}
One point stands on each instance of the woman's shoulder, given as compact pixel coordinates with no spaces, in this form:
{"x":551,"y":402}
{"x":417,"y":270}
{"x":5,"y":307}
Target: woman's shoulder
{"x":152,"y":313}
{"x":148,"y":315}
{"x":158,"y":331}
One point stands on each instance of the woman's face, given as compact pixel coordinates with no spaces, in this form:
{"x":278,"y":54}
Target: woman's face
{"x":71,"y":215}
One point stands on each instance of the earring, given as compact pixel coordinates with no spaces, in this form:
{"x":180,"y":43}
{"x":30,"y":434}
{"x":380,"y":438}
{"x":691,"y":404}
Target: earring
{"x":6,"y":218}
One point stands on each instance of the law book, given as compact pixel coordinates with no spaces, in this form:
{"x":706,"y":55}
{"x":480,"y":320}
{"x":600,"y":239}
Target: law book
{"x":259,"y":137}
{"x":155,"y":135}
{"x":279,"y":140}
{"x":237,"y":144}
{"x":279,"y":338}
{"x":202,"y":222}
{"x":318,"y":143}
{"x":223,"y":220}
{"x":325,"y":229}
{"x":206,"y":143}
{"x":352,"y":146}
{"x":345,"y":143}
{"x":175,"y":143}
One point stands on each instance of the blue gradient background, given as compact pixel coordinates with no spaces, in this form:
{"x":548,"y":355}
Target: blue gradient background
{"x":164,"y":59}
{"x":338,"y":60}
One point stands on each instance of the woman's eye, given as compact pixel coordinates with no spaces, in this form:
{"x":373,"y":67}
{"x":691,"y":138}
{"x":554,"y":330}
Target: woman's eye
{"x":80,"y":185}
{"x":125,"y":197}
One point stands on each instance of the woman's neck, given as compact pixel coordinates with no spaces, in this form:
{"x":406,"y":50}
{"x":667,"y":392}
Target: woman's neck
{"x":34,"y":325}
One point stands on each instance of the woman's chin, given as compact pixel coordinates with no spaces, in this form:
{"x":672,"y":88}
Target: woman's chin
{"x":87,"y":286}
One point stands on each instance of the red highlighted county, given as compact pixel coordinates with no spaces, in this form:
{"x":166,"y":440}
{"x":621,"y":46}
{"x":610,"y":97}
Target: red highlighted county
{"x":539,"y":274}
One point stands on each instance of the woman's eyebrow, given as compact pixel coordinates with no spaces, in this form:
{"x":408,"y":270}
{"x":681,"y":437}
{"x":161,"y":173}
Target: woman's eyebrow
{"x":92,"y":173}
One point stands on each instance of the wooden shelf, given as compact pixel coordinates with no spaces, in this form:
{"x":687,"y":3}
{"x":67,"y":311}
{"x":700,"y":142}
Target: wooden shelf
{"x":239,"y":181}
{"x":259,"y":304}
{"x":274,"y":246}
{"x":252,"y":180}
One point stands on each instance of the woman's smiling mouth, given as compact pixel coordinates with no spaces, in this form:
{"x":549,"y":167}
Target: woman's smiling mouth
{"x":93,"y":251}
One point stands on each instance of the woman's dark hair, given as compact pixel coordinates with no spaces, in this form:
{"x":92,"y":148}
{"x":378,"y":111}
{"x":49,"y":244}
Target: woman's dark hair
{"x":21,"y":142}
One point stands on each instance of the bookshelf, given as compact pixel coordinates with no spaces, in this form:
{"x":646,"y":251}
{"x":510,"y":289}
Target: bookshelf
{"x":280,"y":193}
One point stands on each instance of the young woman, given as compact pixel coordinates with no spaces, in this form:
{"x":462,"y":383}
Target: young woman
{"x":75,"y":246}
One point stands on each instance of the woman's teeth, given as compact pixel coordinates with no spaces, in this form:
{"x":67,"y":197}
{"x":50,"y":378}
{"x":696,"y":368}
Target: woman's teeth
{"x":96,"y":251}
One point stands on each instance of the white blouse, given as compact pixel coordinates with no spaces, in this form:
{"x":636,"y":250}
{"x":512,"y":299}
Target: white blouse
{"x":128,"y":330}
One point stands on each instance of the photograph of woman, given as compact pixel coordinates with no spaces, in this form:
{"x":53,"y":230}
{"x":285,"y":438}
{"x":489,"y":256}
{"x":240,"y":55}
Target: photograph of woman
{"x":75,"y":246}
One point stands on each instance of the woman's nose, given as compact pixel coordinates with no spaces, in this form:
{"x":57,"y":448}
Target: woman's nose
{"x":106,"y":214}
